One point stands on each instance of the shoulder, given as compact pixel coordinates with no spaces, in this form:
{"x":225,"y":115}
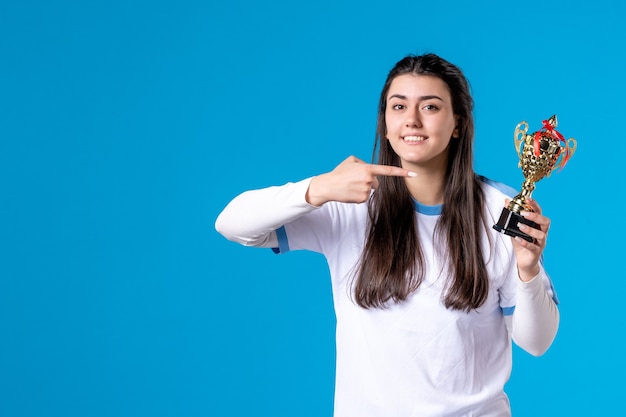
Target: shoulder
{"x":496,"y":189}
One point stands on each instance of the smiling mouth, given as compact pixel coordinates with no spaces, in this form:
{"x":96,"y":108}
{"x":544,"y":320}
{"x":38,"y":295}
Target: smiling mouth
{"x":414,"y":138}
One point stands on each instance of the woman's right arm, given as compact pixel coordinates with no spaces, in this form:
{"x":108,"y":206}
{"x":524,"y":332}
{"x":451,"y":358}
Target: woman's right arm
{"x":252,"y":217}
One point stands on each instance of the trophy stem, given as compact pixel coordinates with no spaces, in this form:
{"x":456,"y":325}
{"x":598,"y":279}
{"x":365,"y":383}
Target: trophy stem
{"x":520,"y":201}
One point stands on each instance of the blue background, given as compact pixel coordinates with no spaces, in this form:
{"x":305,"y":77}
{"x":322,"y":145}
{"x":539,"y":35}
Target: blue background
{"x":125,"y":127}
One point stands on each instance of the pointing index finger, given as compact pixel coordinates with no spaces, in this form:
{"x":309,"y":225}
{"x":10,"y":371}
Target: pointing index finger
{"x":391,"y":171}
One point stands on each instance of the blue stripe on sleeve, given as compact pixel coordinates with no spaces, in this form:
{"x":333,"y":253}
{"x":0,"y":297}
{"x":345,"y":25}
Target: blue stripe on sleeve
{"x":508,"y":311}
{"x":283,"y":243}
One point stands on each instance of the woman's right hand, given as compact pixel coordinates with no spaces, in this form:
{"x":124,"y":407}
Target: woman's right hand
{"x":351,"y":181}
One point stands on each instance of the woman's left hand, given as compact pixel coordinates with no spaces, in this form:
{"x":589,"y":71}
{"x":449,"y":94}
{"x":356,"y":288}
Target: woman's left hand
{"x":529,"y":253}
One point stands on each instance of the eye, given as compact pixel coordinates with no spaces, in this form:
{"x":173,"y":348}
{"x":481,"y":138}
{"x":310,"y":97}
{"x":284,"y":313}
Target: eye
{"x":430,"y":107}
{"x":397,"y":106}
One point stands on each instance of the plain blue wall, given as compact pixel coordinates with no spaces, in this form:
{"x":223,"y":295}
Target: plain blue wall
{"x":126,"y":126}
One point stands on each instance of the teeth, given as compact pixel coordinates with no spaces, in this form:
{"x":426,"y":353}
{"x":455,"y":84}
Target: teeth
{"x":414,"y":138}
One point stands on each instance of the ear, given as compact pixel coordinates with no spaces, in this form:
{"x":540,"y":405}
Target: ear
{"x":455,"y":132}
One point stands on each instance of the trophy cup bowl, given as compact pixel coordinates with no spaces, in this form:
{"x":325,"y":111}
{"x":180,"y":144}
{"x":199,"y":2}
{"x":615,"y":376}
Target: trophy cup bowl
{"x":539,"y":153}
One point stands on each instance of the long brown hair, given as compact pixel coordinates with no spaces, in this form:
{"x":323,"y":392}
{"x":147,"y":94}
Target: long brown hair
{"x":392,"y":263}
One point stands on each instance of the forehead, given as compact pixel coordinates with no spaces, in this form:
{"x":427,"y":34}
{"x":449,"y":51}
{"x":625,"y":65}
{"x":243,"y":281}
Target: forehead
{"x":415,"y":86}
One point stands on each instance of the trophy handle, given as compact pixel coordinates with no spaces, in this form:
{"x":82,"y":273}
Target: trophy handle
{"x":520,"y":136}
{"x":567,"y":151}
{"x":570,"y":146}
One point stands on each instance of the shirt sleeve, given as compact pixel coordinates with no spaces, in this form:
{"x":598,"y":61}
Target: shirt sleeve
{"x":252,"y":217}
{"x":536,"y":317}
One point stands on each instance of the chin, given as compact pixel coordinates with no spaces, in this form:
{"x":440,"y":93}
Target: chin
{"x":411,"y":158}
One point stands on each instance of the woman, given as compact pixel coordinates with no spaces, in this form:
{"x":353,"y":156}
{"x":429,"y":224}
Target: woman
{"x":428,"y":297}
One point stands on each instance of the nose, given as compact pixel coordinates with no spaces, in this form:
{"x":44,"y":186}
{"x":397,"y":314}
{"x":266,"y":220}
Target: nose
{"x":413,"y":118}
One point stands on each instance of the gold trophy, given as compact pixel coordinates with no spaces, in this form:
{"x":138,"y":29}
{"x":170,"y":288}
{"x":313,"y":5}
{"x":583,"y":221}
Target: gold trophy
{"x":540,"y":153}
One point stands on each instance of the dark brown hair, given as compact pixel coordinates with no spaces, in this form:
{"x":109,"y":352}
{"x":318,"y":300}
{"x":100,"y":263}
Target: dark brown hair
{"x":392,"y":263}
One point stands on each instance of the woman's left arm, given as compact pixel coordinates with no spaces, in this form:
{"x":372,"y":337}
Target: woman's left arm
{"x":536,"y":316}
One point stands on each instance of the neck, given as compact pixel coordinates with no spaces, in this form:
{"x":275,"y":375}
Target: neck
{"x":427,"y":188}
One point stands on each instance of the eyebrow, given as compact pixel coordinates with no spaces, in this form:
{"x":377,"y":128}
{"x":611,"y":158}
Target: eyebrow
{"x":421,"y":98}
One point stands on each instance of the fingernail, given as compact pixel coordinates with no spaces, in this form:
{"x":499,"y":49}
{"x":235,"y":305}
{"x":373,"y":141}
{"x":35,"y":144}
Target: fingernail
{"x":524,"y":213}
{"x":412,"y":174}
{"x":521,"y":226}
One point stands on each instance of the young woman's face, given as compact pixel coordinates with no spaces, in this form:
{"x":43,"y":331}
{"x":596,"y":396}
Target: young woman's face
{"x":420,"y":120}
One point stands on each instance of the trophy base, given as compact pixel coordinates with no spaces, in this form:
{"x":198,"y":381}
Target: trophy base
{"x":508,"y":224}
